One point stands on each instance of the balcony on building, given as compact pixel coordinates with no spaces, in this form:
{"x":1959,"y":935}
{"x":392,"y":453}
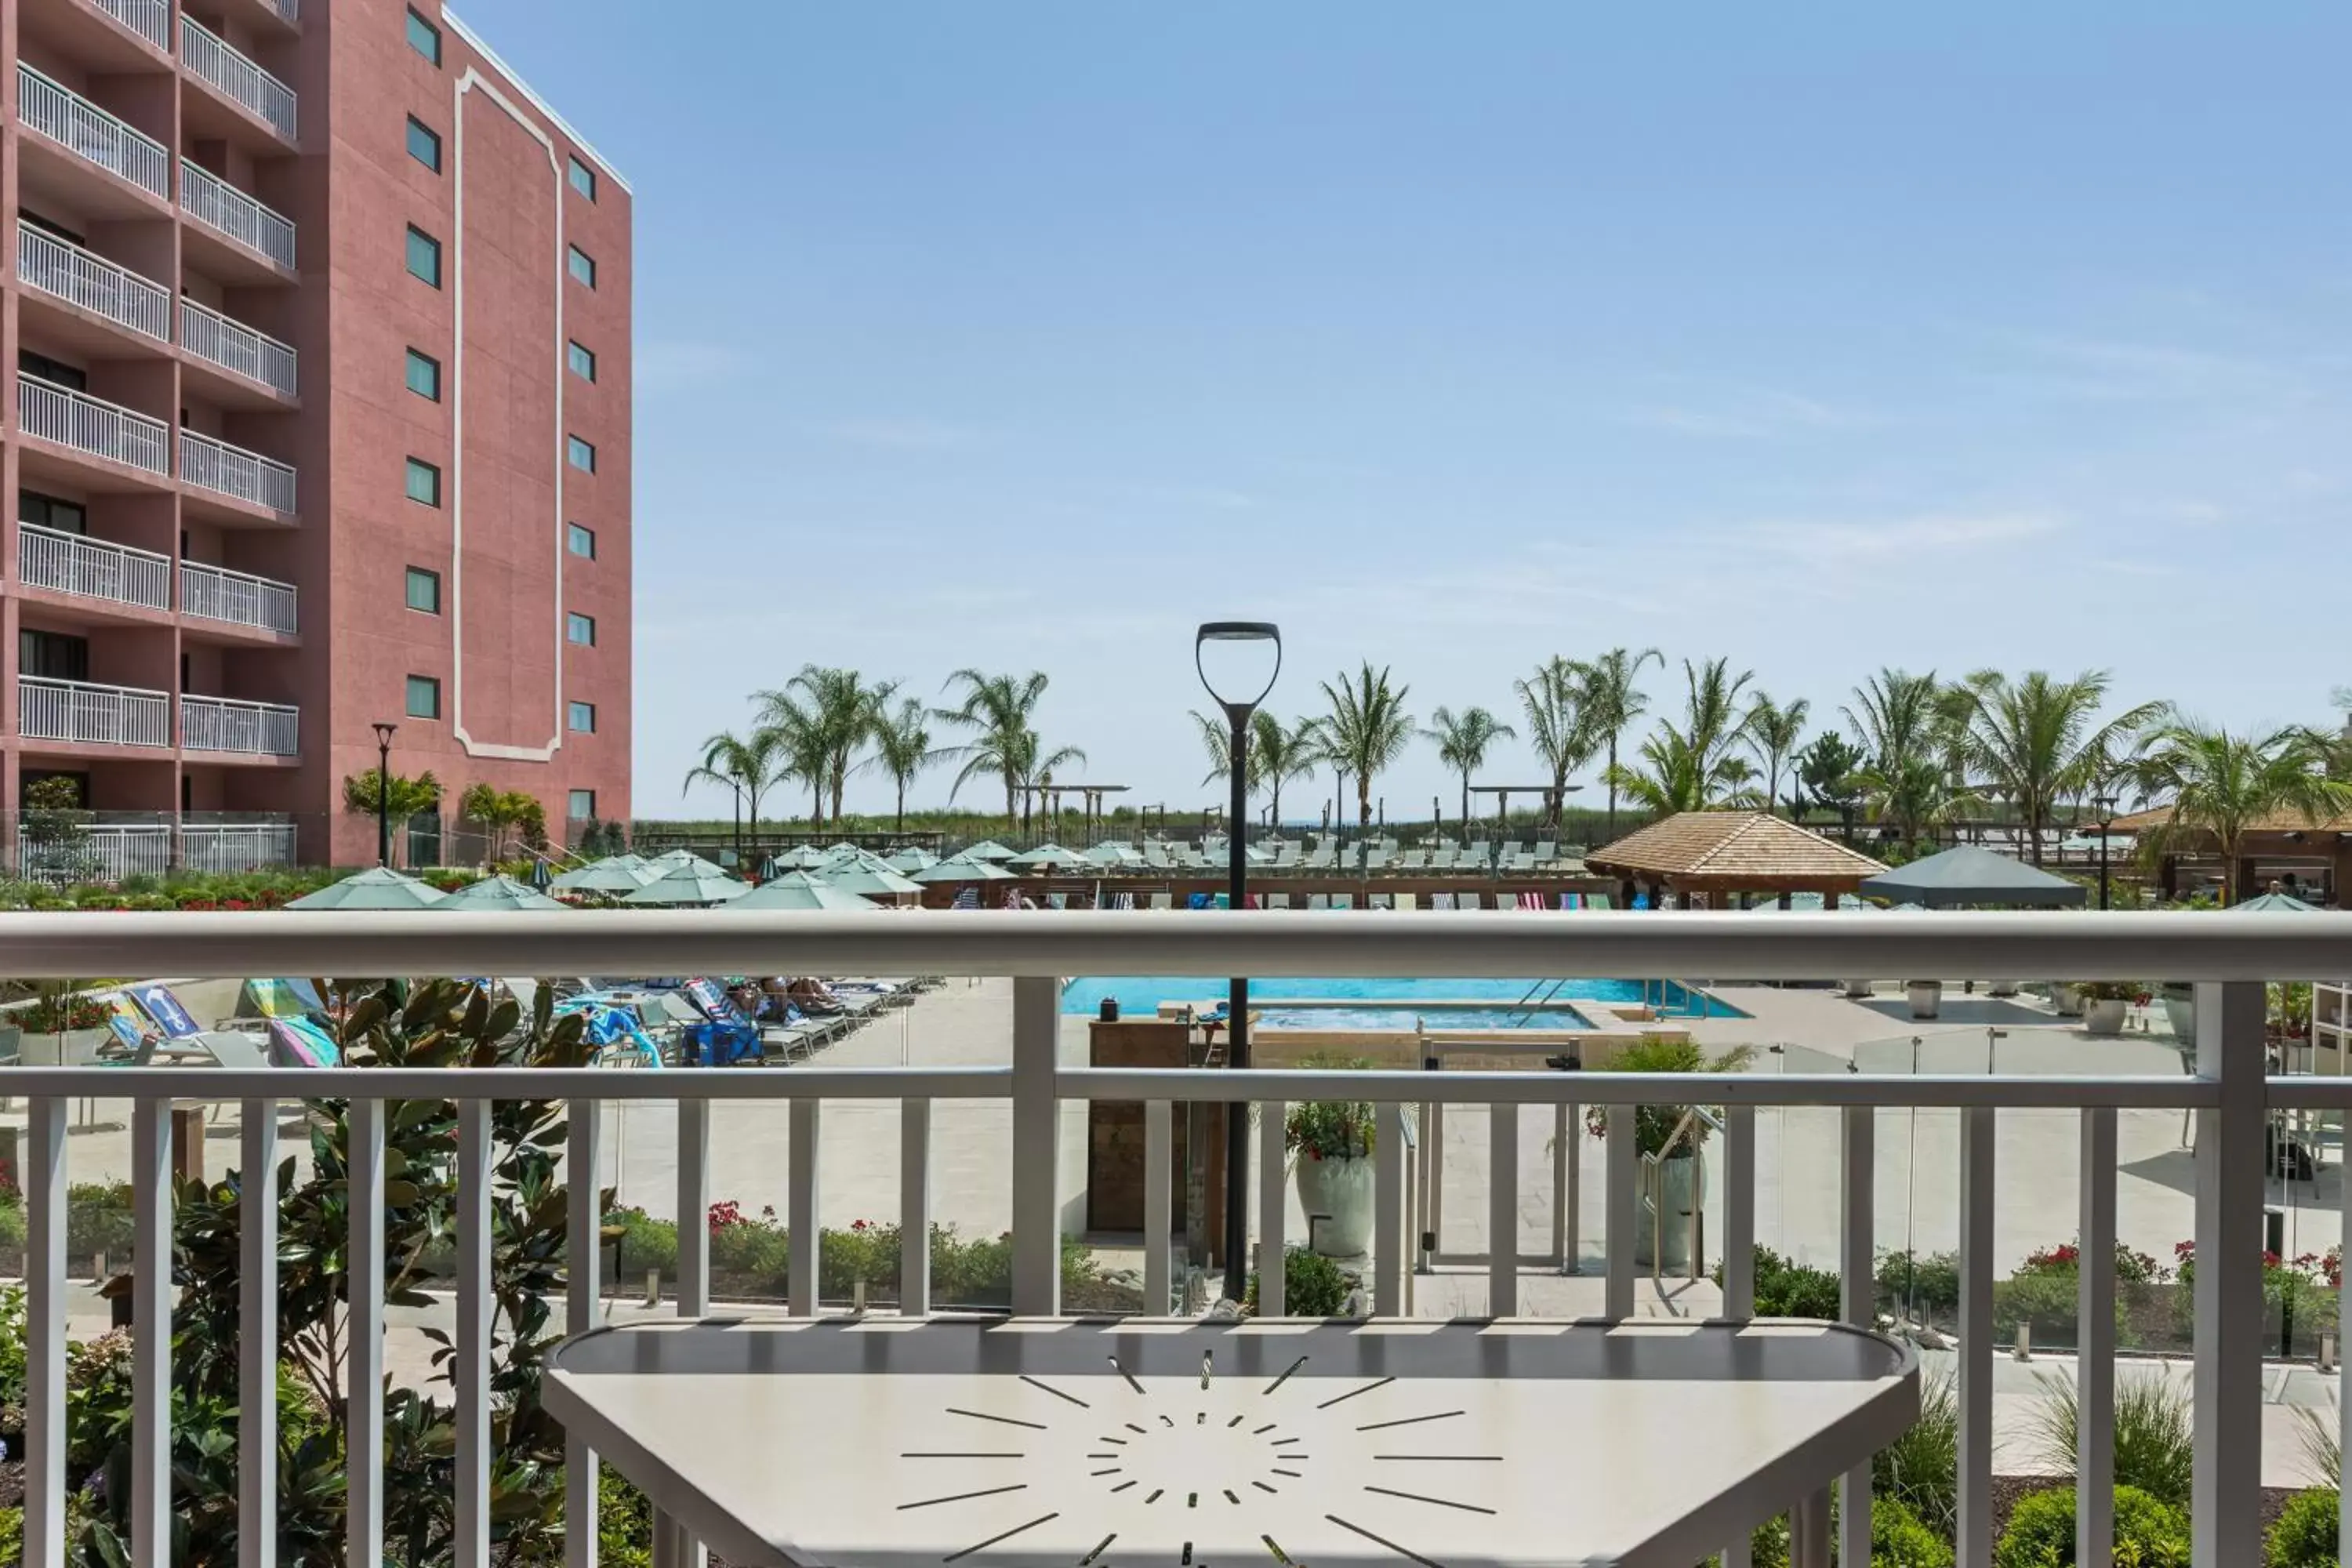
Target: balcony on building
{"x":226,"y":724}
{"x":72,"y":143}
{"x":216,"y":472}
{"x":239,"y":599}
{"x":254,"y":366}
{"x":113,"y":37}
{"x":113,"y":443}
{"x":98,"y":574}
{"x":94,"y":303}
{"x":232,"y":233}
{"x":237,"y":91}
{"x":87,"y":714}
{"x":115,"y":845}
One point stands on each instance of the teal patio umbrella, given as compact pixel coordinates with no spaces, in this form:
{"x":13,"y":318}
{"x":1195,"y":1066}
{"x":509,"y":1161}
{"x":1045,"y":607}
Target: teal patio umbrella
{"x":882,"y":884}
{"x":986,"y":849}
{"x":956,"y":868}
{"x":662,"y":864}
{"x":1047,"y":856}
{"x":615,"y":874}
{"x":2274,"y":903}
{"x":799,"y":890}
{"x":909,"y":861}
{"x":377,"y":888}
{"x":501,"y":892}
{"x":690,"y":884}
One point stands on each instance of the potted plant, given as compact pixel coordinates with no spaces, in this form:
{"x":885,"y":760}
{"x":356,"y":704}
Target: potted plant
{"x":1926,"y":997}
{"x":1330,"y":1146}
{"x":1669,"y":1141}
{"x":2066,"y":999}
{"x":2180,"y":1010}
{"x":2103,"y":1004}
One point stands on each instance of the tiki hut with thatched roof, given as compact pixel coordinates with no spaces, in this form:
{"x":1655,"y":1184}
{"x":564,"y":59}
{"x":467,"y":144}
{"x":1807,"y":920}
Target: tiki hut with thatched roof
{"x":2311,"y":858}
{"x":1726,"y":859}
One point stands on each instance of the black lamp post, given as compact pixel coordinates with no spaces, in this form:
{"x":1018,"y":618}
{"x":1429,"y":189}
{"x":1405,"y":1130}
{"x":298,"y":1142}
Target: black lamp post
{"x":1237,"y":714}
{"x":383,"y":733}
{"x":2106,"y":804}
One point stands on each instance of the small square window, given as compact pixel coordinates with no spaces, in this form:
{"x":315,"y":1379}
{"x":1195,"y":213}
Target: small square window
{"x":583,"y":804}
{"x":583,"y":265}
{"x":580,"y":541}
{"x":582,"y":717}
{"x":424,"y":255}
{"x":424,"y":697}
{"x":580,"y":629}
{"x":424,"y":145}
{"x":581,"y":455}
{"x":424,"y":37}
{"x":424,"y":376}
{"x":583,"y":361}
{"x":583,"y":179}
{"x":423,"y":482}
{"x":424,"y":590}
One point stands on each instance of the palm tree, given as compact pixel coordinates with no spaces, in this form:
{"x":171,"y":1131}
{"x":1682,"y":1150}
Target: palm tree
{"x":750,"y":766}
{"x":1278,"y":755}
{"x":902,"y":749}
{"x":1915,"y":793}
{"x":803,"y":744}
{"x":998,"y":710}
{"x":1772,"y":733}
{"x":2227,"y":785}
{"x":1463,"y":740}
{"x":1692,"y":767}
{"x":1608,"y":702}
{"x":840,"y":711}
{"x":1366,"y":732}
{"x":1553,"y":700}
{"x":2035,"y":741}
{"x":1893,"y":715}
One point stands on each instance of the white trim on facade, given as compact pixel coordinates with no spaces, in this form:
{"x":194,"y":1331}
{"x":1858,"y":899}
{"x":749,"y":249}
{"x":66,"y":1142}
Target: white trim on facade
{"x":514,"y":78}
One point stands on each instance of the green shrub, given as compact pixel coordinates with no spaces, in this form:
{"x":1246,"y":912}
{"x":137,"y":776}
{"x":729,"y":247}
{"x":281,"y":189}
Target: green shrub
{"x":624,"y":1522}
{"x":1928,"y":1282}
{"x":2304,"y":1535}
{"x":1312,"y":1285}
{"x":1920,"y":1471}
{"x":1899,"y":1539}
{"x":2041,"y":1534}
{"x":644,"y":1243}
{"x":2155,"y":1451}
{"x":98,"y":1219}
{"x":1787,"y":1290}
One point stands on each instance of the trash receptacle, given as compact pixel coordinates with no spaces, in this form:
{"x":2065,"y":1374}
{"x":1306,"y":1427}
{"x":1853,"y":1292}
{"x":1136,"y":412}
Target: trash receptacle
{"x":1109,"y":1011}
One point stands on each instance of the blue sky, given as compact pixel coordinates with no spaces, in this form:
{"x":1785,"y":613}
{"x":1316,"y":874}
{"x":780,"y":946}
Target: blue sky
{"x":1825,"y":337}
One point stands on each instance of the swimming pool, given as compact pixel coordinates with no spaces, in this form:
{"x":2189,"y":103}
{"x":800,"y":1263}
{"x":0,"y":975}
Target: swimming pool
{"x":1390,"y":1003}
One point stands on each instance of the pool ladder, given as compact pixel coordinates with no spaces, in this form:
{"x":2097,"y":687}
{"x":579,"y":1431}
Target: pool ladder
{"x":1658,"y":994}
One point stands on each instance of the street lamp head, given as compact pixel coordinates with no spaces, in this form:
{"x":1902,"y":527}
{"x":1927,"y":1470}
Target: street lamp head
{"x":383,"y":733}
{"x":1240,"y":669}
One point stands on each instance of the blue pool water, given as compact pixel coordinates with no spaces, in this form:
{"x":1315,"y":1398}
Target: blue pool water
{"x":1389,"y":1003}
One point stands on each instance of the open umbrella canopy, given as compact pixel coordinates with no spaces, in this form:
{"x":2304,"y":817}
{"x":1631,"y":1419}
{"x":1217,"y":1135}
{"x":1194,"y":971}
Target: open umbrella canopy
{"x":1047,"y":855}
{"x":377,"y":888}
{"x":957,"y":869}
{"x":884,"y":883}
{"x":1114,"y":855}
{"x":690,"y":884}
{"x":1968,"y":875}
{"x":801,"y":857}
{"x":986,"y":849}
{"x":799,"y":890}
{"x":501,"y":892}
{"x":662,"y":864}
{"x":910,"y":860}
{"x":849,"y":857}
{"x":2274,"y":903}
{"x":620,"y":875}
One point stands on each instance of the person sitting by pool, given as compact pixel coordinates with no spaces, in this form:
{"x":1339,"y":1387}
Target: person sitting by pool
{"x":814,"y":995}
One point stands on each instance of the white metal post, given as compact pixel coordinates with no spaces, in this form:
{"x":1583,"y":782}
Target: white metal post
{"x":1571,"y":1246}
{"x":43,"y":1172}
{"x":1272,"y":1217}
{"x":1390,"y":1242}
{"x":915,"y":1208}
{"x":583,"y":1262}
{"x":1560,"y":1223}
{"x":257,"y":1336}
{"x":1738,"y":1246}
{"x":364,"y":1370}
{"x":1036,"y":1147}
{"x":470,"y":1546}
{"x":801,"y":1208}
{"x":1978,"y":1130}
{"x":151,"y":1331}
{"x":1503,"y":1211}
{"x":2094,"y":1355}
{"x":693,"y":1278}
{"x":1158,"y":1204}
{"x":2225,"y":1493}
{"x":1858,"y":1289}
{"x":1623,"y":1197}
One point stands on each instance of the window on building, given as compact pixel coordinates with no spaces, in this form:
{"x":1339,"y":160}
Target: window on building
{"x":423,"y":482}
{"x":55,"y":371}
{"x":583,"y":265}
{"x":583,"y":179}
{"x":424,"y":590}
{"x":580,"y":453}
{"x":580,"y":629}
{"x":52,"y":656}
{"x":424,"y":697}
{"x":582,"y":717}
{"x":424,"y":255}
{"x":583,"y":361}
{"x":580,"y":541}
{"x":60,"y":515}
{"x":424,"y":37}
{"x":582,"y":806}
{"x":424,"y":376}
{"x":423,"y":144}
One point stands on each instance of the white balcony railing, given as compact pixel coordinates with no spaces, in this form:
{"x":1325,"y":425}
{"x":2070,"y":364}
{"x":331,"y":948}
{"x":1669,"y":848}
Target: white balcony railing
{"x":95,"y":568}
{"x":236,"y":347}
{"x":2225,"y":1090}
{"x":52,"y":413}
{"x":226,"y":725}
{"x":90,"y":281}
{"x":218,"y":593}
{"x":218,"y":204}
{"x":214,"y":59}
{"x":290,"y":10}
{"x":89,"y":715}
{"x":73,"y":121}
{"x":150,"y":20}
{"x":110,"y":851}
{"x":216,"y":466}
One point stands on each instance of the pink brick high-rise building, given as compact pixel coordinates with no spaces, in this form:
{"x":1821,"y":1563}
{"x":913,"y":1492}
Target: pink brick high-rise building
{"x":320,"y":420}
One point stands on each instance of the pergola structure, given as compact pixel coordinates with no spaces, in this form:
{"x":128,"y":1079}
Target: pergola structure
{"x":2285,"y":846}
{"x":1555,"y":801}
{"x":1724,"y":859}
{"x":1048,"y":798}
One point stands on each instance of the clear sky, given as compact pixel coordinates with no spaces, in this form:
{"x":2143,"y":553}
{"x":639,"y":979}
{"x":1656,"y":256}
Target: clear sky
{"x":1826,"y":336}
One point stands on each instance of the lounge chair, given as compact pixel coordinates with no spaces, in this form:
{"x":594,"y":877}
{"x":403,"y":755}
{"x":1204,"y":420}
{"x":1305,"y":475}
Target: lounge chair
{"x":1441,"y":901}
{"x":1343,"y":900}
{"x":1407,"y":901}
{"x":1469,"y":900}
{"x":1413,"y":860}
{"x":1380,"y":901}
{"x":1443,"y":858}
{"x":1163,"y":900}
{"x":1318,"y":901}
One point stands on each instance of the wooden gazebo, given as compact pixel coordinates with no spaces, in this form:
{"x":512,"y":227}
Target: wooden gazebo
{"x":1726,"y":859}
{"x":2312,"y":859}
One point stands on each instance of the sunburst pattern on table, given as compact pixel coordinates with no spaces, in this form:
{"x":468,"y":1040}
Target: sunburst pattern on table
{"x":1251,"y":1434}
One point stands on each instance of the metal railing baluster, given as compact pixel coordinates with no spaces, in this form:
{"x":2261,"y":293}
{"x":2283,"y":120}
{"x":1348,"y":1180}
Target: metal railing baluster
{"x":1977,"y":1128}
{"x":44,"y":1175}
{"x":2225,"y":1493}
{"x":1036,"y":1146}
{"x":677,"y":1543}
{"x":1159,"y":1203}
{"x":1389,"y":1239}
{"x":806,"y":1247}
{"x":583,"y":1266}
{"x":257,"y":1335}
{"x":1624,"y":1211}
{"x":151,"y":1331}
{"x":1273,"y":1212}
{"x":363,"y":1363}
{"x":1857,"y":1225}
{"x":913,"y":1209}
{"x":1738,"y":1246}
{"x":470,"y":1545}
{"x":1503,"y":1211}
{"x":2094,"y":1355}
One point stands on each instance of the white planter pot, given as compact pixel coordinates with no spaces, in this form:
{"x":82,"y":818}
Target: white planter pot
{"x":2181,"y":1014}
{"x":2000,"y":987}
{"x":1675,"y":1190}
{"x":2104,"y":1017}
{"x":1860,"y":990}
{"x":1926,"y":997}
{"x":2067,"y":999}
{"x":1337,"y":1197}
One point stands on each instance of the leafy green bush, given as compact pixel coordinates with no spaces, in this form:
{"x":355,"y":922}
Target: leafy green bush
{"x":1921,"y":1470}
{"x":1789,"y":1289}
{"x":98,"y":1219}
{"x":2041,"y":1533}
{"x":1312,"y":1285}
{"x":1898,"y":1539}
{"x":2304,"y":1535}
{"x":2153,"y":1433}
{"x":1928,"y":1282}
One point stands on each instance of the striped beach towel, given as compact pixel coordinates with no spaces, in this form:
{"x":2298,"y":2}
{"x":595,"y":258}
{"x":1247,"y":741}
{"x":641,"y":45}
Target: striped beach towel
{"x":1531,"y":900}
{"x":966,"y":898}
